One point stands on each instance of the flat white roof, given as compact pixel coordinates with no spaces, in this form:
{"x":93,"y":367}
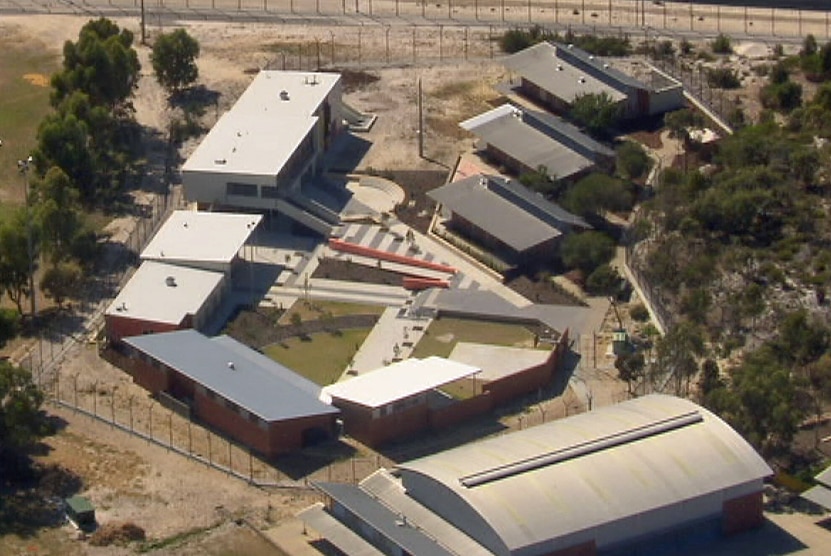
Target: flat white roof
{"x":398,"y":381}
{"x":201,"y":236}
{"x":265,"y":126}
{"x":497,"y":361}
{"x":148,"y":296}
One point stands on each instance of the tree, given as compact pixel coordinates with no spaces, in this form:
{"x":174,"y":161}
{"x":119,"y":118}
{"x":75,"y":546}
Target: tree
{"x":604,"y":280}
{"x":632,"y":162}
{"x":61,"y":281}
{"x":64,"y":142}
{"x":680,"y":121}
{"x":721,"y":44}
{"x":598,"y":113}
{"x":676,"y":355}
{"x":57,"y":212}
{"x":14,"y":257}
{"x":587,"y":250}
{"x":102,"y":64}
{"x":630,"y":368}
{"x":596,"y":194}
{"x":174,"y":60}
{"x":21,"y":420}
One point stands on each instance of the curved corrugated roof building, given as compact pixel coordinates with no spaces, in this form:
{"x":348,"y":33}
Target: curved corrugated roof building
{"x":587,"y":484}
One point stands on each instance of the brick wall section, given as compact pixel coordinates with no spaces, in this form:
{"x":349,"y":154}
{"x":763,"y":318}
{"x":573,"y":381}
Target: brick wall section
{"x":461,"y":411}
{"x":358,"y":423}
{"x":741,"y":514}
{"x":413,"y":283}
{"x":123,"y":327}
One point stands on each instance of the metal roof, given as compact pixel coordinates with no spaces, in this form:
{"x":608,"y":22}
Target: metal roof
{"x":340,"y":535}
{"x":498,"y":216}
{"x":541,"y":65}
{"x":600,"y":67}
{"x":385,"y":521}
{"x":498,"y":361}
{"x":236,"y":373}
{"x":506,"y":210}
{"x":536,"y":140}
{"x":546,"y":485}
{"x":258,"y":135}
{"x":166,"y":293}
{"x":190,"y":236}
{"x":397,"y":381}
{"x":485,"y":303}
{"x":819,"y":495}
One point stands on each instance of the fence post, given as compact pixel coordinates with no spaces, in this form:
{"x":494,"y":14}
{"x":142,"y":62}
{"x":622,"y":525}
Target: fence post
{"x":230,"y":464}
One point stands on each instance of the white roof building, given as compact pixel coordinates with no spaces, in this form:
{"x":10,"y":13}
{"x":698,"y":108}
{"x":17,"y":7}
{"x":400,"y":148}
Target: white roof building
{"x":207,"y":240}
{"x":258,"y":152}
{"x":397,"y":381}
{"x":163,"y":297}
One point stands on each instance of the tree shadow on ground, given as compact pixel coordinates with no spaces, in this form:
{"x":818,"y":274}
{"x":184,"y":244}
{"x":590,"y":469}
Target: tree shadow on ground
{"x":195,"y":99}
{"x":313,"y":459}
{"x":31,"y":492}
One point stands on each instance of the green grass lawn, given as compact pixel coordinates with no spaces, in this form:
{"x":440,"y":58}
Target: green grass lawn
{"x":321,"y":357}
{"x":444,"y":333}
{"x":314,"y":309}
{"x":25,"y":70}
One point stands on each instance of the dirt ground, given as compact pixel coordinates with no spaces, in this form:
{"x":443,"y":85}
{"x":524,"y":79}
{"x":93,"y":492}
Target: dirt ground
{"x":188,"y":507}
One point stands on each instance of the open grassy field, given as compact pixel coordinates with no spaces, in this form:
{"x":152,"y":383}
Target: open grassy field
{"x":444,"y":333}
{"x":25,"y":70}
{"x":319,"y":357}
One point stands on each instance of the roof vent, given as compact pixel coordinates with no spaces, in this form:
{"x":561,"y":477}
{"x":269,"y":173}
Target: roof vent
{"x":231,"y":365}
{"x":570,"y":45}
{"x":606,"y":66}
{"x":581,"y":79}
{"x":591,"y":56}
{"x":284,"y":95}
{"x":122,"y":307}
{"x":185,"y":224}
{"x":483,"y":181}
{"x":170,"y":281}
{"x":220,"y":161}
{"x":559,"y":67}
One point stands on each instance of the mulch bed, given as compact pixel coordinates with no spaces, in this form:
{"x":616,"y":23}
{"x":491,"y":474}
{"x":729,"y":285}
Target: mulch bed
{"x":542,"y":291}
{"x":335,"y":269}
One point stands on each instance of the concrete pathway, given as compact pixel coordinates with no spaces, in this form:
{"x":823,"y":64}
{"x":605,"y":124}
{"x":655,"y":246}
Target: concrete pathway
{"x":393,"y":329}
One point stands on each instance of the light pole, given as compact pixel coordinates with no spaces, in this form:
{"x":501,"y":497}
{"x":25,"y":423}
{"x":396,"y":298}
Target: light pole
{"x":23,"y":166}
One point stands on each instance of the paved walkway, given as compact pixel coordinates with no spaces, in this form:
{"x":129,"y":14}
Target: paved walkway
{"x":379,"y":349}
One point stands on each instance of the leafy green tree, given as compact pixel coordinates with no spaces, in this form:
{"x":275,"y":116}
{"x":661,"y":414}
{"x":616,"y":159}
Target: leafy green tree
{"x":541,"y":182}
{"x":63,"y":142}
{"x":809,"y":46}
{"x":597,"y":193}
{"x":21,"y":419}
{"x":14,"y":257}
{"x":102,"y":64}
{"x":680,"y":121}
{"x":631,"y":368}
{"x":61,"y":281}
{"x":710,"y":379}
{"x":632,"y":162}
{"x":604,"y":280}
{"x":174,"y":60}
{"x":57,"y":212}
{"x":598,"y":113}
{"x":676,"y":355}
{"x":587,"y":250}
{"x":723,"y":78}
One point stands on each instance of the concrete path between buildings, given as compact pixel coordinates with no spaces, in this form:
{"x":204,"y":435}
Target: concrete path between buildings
{"x":393,"y":329}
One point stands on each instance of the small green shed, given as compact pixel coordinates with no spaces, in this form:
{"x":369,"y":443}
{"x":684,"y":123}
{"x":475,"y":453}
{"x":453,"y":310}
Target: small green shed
{"x":80,"y":511}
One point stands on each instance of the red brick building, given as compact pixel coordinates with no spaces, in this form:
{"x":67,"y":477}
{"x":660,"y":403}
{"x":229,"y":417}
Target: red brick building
{"x":395,"y":401}
{"x":234,"y":389}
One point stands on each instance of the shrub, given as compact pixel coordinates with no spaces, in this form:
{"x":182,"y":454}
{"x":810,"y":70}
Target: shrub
{"x":632,"y":162}
{"x":723,"y":78}
{"x":721,"y":45}
{"x":117,"y":533}
{"x":9,"y":325}
{"x":604,"y":280}
{"x":639,"y":313}
{"x":685,"y":46}
{"x":587,"y":250}
{"x":515,"y":40}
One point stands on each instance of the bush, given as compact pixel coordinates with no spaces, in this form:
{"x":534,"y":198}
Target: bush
{"x":9,"y":325}
{"x":117,"y":533}
{"x":721,"y":45}
{"x":604,"y":280}
{"x":723,"y":78}
{"x":639,"y":313}
{"x":785,"y":96}
{"x":587,"y":250}
{"x":515,"y":40}
{"x":685,"y":46}
{"x":632,"y":162}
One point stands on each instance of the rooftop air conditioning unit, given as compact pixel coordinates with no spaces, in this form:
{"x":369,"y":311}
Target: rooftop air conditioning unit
{"x":284,"y":95}
{"x":170,"y":281}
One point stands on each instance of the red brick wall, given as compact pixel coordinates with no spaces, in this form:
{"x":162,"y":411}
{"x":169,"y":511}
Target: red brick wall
{"x":460,"y":411}
{"x":147,"y":376}
{"x":509,"y":388}
{"x":358,"y":423}
{"x":742,"y":513}
{"x":123,"y":327}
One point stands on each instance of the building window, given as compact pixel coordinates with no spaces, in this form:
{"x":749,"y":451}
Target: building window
{"x":241,"y":189}
{"x":269,"y":192}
